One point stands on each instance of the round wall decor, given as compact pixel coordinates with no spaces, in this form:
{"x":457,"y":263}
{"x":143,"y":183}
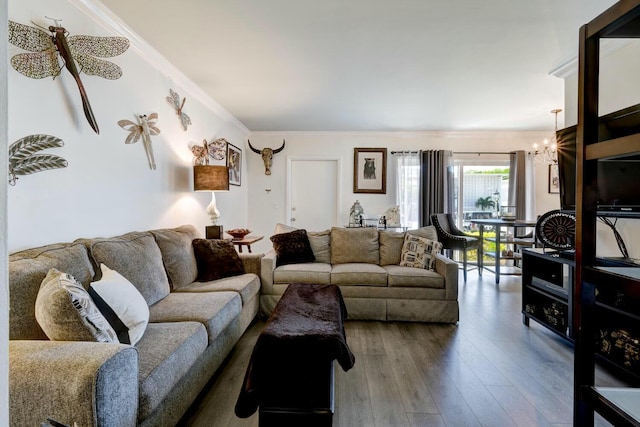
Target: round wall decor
{"x":557,"y":230}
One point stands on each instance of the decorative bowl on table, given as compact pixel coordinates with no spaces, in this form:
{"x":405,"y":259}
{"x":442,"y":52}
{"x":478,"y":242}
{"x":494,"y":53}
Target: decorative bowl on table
{"x":238,"y":233}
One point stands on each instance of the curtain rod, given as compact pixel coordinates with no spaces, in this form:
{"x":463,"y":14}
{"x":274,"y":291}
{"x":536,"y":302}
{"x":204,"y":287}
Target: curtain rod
{"x":458,"y":152}
{"x":483,"y":152}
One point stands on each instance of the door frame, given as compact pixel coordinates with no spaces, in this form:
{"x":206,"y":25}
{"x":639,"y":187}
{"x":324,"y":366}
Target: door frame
{"x":289,"y":187}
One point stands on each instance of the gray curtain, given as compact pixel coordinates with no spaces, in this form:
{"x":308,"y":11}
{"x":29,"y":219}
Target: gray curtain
{"x":518,"y":183}
{"x":436,"y":183}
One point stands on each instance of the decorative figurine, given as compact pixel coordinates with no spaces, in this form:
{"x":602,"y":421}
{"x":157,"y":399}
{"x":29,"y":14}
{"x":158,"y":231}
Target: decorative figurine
{"x":174,"y":100}
{"x":24,"y":161}
{"x":145,"y":127}
{"x":83,"y":50}
{"x":356,"y":214}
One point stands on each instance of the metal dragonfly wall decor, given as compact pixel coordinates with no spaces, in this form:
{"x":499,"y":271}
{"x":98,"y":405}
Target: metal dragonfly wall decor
{"x":145,"y":127}
{"x":45,"y":49}
{"x":174,"y":100}
{"x":23,"y":159}
{"x":215,"y":149}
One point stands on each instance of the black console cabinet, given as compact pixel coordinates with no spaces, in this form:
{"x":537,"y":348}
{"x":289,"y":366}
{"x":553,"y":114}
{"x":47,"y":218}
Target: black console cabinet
{"x":547,"y":289}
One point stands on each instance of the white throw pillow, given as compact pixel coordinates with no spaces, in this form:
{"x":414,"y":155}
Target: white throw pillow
{"x":121,"y":304}
{"x":419,"y":252}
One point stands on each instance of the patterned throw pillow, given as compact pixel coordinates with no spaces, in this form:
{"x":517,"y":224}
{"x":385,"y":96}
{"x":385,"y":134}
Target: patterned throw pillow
{"x":121,"y":304}
{"x":216,"y":259}
{"x":292,"y":247}
{"x":419,"y":252}
{"x":66,"y":312}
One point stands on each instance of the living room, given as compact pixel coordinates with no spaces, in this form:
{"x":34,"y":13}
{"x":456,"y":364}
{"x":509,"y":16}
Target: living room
{"x":107,"y":186}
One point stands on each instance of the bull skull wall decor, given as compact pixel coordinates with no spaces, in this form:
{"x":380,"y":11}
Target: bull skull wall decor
{"x":267,"y":155}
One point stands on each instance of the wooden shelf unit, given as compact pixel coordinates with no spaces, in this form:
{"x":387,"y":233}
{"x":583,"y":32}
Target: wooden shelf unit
{"x":606,"y":320}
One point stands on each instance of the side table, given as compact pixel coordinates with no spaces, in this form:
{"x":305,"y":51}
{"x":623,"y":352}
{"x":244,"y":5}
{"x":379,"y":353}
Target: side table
{"x":246,"y":241}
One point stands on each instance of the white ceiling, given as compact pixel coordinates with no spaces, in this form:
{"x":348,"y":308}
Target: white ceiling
{"x":370,"y":65}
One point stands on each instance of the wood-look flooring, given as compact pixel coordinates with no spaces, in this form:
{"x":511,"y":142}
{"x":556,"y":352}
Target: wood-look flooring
{"x":489,"y":370}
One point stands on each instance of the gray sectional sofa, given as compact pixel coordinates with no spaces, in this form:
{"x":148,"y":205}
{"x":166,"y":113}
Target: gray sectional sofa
{"x":192,"y":327}
{"x":364,"y":263}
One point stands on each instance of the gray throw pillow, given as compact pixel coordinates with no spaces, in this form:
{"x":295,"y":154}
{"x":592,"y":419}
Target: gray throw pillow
{"x":320,"y":245}
{"x":66,"y":312}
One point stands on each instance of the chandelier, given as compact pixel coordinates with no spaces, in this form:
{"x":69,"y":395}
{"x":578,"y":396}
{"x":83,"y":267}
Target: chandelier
{"x":548,"y":153}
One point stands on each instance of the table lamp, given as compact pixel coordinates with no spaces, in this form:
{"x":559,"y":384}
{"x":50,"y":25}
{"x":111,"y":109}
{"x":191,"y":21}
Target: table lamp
{"x":211,"y":178}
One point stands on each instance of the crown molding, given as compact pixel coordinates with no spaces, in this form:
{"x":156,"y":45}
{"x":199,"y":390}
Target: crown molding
{"x":570,"y":67}
{"x":107,"y":19}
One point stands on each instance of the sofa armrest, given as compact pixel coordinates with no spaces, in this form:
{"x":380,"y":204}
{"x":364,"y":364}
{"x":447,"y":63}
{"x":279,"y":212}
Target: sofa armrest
{"x":266,"y":271}
{"x":252,"y":262}
{"x":449,"y":269}
{"x":89,"y":383}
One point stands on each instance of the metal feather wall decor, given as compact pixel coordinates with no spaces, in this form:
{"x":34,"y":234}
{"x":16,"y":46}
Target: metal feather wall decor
{"x":216,"y":150}
{"x":145,"y":127}
{"x":23,"y":159}
{"x":47,"y":49}
{"x":174,"y":100}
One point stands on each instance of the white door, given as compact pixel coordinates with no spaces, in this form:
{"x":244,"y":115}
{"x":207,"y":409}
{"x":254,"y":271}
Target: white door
{"x":314,"y":192}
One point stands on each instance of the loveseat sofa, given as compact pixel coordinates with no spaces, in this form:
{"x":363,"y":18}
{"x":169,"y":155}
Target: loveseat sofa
{"x":192,"y":327}
{"x":364,"y":263}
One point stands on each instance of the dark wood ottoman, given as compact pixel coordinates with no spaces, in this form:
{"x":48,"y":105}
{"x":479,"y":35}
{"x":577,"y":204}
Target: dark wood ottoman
{"x":290,"y":374}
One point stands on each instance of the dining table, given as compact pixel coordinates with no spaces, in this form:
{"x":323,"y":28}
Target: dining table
{"x":513,"y":239}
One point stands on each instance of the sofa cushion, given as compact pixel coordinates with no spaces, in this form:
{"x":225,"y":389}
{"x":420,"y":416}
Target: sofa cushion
{"x":349,"y":245}
{"x":177,"y":253}
{"x":137,"y":257}
{"x":311,"y":272}
{"x":215,"y":310}
{"x":390,"y":247}
{"x":216,"y":259}
{"x":409,"y":277}
{"x":166,"y":353}
{"x":121,"y":304}
{"x":66,"y":312}
{"x":358,"y":274}
{"x":27,"y":270}
{"x":292,"y":247}
{"x":419,"y":252}
{"x":428,"y":232}
{"x":247,"y":285}
{"x":320,"y":245}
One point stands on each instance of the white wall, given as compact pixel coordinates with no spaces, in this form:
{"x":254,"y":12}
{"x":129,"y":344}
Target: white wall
{"x":108,"y":188}
{"x":4,"y":278}
{"x":268,"y":208}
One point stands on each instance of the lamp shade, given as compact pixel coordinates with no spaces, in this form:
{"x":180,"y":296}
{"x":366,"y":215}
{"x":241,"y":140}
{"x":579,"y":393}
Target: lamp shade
{"x":210,"y":178}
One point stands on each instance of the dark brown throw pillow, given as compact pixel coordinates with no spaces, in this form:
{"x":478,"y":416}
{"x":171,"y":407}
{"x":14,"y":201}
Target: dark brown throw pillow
{"x":216,"y":259}
{"x":292,"y":247}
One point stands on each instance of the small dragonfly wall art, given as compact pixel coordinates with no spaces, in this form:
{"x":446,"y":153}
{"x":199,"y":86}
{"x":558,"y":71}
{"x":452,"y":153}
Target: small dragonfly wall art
{"x":174,"y":100}
{"x":47,"y":48}
{"x":214,"y":149}
{"x":145,"y":127}
{"x":24,"y":160}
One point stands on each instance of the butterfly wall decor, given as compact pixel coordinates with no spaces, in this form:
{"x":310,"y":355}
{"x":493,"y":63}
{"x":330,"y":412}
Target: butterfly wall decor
{"x":145,"y":127}
{"x":23,"y":159}
{"x":216,"y":150}
{"x":174,"y":100}
{"x":46,"y":49}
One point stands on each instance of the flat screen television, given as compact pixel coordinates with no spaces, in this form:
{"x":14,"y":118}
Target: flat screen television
{"x":618,"y":179}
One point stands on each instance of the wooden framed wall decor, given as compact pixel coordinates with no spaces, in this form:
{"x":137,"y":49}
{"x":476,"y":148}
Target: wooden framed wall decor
{"x":370,"y":170}
{"x":234,"y":163}
{"x":554,"y":180}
